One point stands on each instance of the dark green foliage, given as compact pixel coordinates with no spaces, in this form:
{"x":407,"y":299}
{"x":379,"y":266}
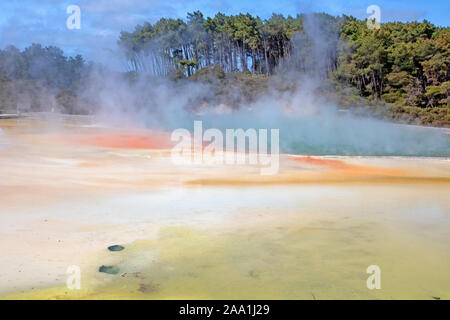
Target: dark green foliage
{"x":403,"y":64}
{"x":400,"y":70}
{"x":237,"y":43}
{"x":406,"y":64}
{"x":30,"y":78}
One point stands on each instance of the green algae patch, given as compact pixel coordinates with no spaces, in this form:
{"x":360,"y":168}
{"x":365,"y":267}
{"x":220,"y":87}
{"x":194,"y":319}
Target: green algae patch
{"x":116,"y":248}
{"x":322,"y":260}
{"x":109,"y":269}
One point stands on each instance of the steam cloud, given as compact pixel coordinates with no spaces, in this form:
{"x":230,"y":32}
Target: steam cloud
{"x":308,"y":122}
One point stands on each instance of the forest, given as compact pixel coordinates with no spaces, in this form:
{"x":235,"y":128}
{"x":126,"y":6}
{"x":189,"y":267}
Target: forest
{"x":401,"y":69}
{"x":240,"y":43}
{"x":41,"y":78}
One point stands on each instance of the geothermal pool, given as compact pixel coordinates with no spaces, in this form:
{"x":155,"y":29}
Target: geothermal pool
{"x":71,"y":187}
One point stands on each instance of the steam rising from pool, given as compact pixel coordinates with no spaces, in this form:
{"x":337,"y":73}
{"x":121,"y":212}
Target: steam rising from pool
{"x":308,"y":122}
{"x":309,"y":119}
{"x":330,"y":133}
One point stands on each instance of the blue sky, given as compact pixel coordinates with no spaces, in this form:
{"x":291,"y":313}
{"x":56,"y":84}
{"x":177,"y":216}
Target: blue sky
{"x":23,"y":22}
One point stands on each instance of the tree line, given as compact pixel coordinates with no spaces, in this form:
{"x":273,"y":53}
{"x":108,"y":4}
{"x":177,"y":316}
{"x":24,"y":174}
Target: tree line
{"x":39,"y":78}
{"x":401,"y":63}
{"x":236,"y":43}
{"x":405,"y":65}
